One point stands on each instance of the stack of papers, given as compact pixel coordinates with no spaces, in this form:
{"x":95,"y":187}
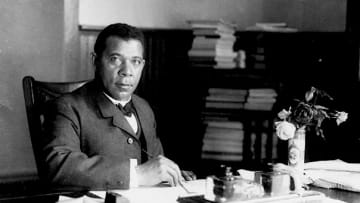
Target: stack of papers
{"x":334,"y":174}
{"x":166,"y":194}
{"x":271,"y":27}
{"x":163,"y":194}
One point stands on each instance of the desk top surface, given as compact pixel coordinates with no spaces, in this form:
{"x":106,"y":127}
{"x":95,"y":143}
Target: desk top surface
{"x":346,"y":196}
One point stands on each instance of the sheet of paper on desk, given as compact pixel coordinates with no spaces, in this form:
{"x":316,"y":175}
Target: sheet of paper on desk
{"x":335,"y":165}
{"x":162,"y":194}
{"x":334,"y":174}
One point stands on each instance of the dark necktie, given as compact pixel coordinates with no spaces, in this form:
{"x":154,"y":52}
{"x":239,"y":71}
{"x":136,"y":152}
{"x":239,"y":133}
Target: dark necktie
{"x":127,"y":110}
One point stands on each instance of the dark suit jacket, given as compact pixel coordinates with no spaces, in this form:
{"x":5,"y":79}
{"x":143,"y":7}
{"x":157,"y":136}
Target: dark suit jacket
{"x":89,"y":142}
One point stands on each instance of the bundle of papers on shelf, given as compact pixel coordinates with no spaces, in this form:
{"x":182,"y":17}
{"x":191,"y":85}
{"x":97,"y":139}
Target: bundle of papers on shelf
{"x":271,"y":27}
{"x":334,"y":174}
{"x":223,"y":140}
{"x":261,"y":99}
{"x":213,"y":43}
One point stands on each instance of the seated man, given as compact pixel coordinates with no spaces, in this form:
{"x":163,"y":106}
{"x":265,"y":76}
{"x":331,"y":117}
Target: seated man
{"x":92,"y":140}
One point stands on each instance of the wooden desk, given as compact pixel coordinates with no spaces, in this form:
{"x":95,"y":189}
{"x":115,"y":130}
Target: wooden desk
{"x":34,"y":191}
{"x":346,"y":196}
{"x":170,"y":194}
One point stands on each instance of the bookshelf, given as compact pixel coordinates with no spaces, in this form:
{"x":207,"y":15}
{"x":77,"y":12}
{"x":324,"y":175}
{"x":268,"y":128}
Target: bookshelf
{"x":241,"y":98}
{"x":233,"y":94}
{"x":176,"y":90}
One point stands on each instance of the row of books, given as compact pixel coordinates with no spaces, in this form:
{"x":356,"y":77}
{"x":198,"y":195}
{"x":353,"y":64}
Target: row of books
{"x":212,"y":44}
{"x":258,"y":59}
{"x":223,"y":140}
{"x":261,"y":99}
{"x":224,"y":136}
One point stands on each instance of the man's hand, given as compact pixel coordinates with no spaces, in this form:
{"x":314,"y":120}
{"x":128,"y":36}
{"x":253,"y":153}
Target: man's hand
{"x":188,"y":175}
{"x":157,"y":170}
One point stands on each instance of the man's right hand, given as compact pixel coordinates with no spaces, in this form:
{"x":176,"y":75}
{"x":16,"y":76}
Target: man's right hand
{"x":157,"y":170}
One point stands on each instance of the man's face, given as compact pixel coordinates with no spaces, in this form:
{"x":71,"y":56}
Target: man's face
{"x":120,"y":67}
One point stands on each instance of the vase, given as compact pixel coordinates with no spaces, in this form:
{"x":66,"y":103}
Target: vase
{"x":296,"y":150}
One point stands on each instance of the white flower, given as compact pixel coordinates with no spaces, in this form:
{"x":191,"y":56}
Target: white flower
{"x":283,"y":114}
{"x":341,"y":117}
{"x":285,"y":130}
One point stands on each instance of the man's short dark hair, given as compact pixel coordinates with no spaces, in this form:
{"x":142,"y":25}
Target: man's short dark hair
{"x":121,"y":30}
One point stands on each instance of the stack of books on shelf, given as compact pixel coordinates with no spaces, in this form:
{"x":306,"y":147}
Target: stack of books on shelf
{"x":223,"y":140}
{"x":258,"y":57}
{"x":213,"y":44}
{"x":271,"y":27}
{"x":261,"y":99}
{"x":225,"y":99}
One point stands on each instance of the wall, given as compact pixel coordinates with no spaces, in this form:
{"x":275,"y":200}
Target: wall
{"x":32,"y":43}
{"x":39,"y":38}
{"x":306,"y":15}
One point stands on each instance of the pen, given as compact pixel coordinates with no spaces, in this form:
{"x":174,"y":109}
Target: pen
{"x":183,"y":186}
{"x":150,"y":156}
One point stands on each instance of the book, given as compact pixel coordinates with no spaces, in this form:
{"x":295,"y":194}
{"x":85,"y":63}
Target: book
{"x":212,"y":32}
{"x":259,"y":57}
{"x":258,"y":106}
{"x":227,"y":91}
{"x":225,"y":65}
{"x":261,"y":99}
{"x":216,"y":115}
{"x":230,"y":147}
{"x":212,"y":43}
{"x":211,"y":138}
{"x":212,"y":52}
{"x":259,"y":66}
{"x":211,"y":40}
{"x":271,"y":27}
{"x":271,"y":24}
{"x":224,"y":130}
{"x":265,"y":92}
{"x":226,"y":98}
{"x":218,"y":45}
{"x":224,"y":105}
{"x":225,"y":124}
{"x":222,"y":157}
{"x":212,"y":24}
{"x":236,"y":136}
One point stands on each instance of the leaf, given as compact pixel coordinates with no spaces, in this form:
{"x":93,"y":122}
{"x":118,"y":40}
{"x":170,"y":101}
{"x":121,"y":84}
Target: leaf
{"x":309,"y":95}
{"x":321,"y":107}
{"x":324,"y":94}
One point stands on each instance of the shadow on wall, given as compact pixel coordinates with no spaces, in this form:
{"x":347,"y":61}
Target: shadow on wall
{"x":13,"y":164}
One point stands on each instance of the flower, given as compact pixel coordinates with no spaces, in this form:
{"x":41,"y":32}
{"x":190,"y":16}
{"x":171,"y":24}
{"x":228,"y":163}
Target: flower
{"x":341,"y":117}
{"x":307,"y":113}
{"x":285,"y":130}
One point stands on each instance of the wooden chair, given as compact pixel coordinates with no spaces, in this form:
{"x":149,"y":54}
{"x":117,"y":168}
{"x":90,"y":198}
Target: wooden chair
{"x":36,"y":93}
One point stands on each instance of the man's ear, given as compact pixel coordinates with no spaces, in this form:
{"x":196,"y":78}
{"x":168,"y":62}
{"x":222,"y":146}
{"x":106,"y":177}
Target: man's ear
{"x":94,"y":59}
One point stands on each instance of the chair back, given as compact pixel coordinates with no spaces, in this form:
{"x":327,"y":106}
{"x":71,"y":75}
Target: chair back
{"x":36,"y":94}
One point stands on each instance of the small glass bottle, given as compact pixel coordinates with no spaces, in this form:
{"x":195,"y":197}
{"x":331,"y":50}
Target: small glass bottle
{"x":225,"y":187}
{"x":220,"y":187}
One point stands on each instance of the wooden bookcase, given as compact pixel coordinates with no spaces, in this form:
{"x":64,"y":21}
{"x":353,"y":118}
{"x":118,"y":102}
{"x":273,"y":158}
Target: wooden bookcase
{"x":259,"y":144}
{"x":293,"y":61}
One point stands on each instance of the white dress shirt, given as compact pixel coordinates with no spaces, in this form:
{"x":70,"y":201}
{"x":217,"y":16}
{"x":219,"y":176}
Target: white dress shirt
{"x":134,"y":125}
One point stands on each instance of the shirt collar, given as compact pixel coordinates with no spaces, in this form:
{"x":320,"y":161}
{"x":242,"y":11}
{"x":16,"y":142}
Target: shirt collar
{"x":116,"y":102}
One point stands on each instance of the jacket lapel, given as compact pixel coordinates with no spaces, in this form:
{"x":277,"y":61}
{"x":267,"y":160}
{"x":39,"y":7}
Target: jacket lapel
{"x":108,"y":109}
{"x":144,"y":119}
